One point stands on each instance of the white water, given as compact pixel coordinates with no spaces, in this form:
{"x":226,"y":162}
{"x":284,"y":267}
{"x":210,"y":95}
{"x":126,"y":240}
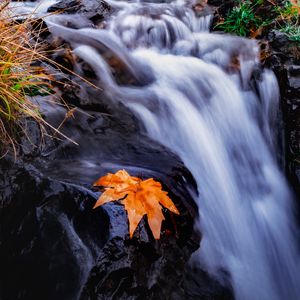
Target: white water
{"x":201,"y":102}
{"x":31,"y":8}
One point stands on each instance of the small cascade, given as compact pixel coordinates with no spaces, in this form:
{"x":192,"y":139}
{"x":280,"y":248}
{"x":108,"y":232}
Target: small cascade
{"x":204,"y":96}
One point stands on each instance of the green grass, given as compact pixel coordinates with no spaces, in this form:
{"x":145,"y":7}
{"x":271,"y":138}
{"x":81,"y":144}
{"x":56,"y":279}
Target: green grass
{"x":292,"y":31}
{"x":248,"y":18}
{"x":243,"y":19}
{"x":289,"y":20}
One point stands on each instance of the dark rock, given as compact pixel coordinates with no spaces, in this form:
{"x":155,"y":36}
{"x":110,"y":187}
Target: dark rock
{"x":198,"y":285}
{"x":137,"y":270}
{"x":49,"y":235}
{"x":285,"y":62}
{"x":279,"y":39}
{"x":294,"y":79}
{"x":57,"y":247}
{"x":95,"y":10}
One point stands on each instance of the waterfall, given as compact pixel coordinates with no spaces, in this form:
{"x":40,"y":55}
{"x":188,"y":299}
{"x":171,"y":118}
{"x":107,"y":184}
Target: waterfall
{"x":205,"y":97}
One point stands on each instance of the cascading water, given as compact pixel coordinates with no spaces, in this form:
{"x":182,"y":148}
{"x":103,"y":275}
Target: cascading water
{"x":199,"y":98}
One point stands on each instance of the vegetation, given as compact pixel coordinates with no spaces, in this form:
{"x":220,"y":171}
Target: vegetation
{"x":20,"y":76}
{"x":243,"y":19}
{"x":292,"y":31}
{"x":290,"y":20}
{"x":248,"y":18}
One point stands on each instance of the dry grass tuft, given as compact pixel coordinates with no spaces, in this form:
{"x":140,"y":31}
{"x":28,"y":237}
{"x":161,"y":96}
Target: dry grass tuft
{"x":21,"y":76}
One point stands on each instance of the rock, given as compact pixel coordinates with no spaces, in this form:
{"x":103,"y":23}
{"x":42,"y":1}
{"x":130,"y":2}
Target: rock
{"x":285,"y":62}
{"x":137,"y":270}
{"x":49,"y":237}
{"x":293,"y":72}
{"x":278,"y":39}
{"x":56,"y":246}
{"x":197,"y":284}
{"x":95,"y":10}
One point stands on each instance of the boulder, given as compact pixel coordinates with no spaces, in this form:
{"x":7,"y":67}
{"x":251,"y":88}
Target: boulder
{"x":95,"y":10}
{"x":56,"y":246}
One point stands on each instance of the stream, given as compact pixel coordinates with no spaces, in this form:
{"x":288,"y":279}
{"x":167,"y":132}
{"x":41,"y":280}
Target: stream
{"x":205,"y":97}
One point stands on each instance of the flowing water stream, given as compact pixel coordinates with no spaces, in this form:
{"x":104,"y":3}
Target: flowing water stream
{"x":205,"y":97}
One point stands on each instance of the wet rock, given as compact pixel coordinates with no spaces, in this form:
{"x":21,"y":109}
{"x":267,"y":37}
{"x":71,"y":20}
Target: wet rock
{"x":48,"y":235}
{"x":198,"y":285}
{"x":279,"y":39}
{"x":293,"y":72}
{"x":284,"y":60}
{"x":138,"y":271}
{"x":95,"y":10}
{"x":57,"y":247}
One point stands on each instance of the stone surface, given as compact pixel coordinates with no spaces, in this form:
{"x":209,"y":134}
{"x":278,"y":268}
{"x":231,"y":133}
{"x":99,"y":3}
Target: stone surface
{"x":95,"y":10}
{"x":56,"y":246}
{"x":285,"y":62}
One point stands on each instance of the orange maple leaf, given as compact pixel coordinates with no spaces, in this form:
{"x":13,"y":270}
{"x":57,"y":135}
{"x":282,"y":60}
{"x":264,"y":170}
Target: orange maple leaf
{"x":140,"y":197}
